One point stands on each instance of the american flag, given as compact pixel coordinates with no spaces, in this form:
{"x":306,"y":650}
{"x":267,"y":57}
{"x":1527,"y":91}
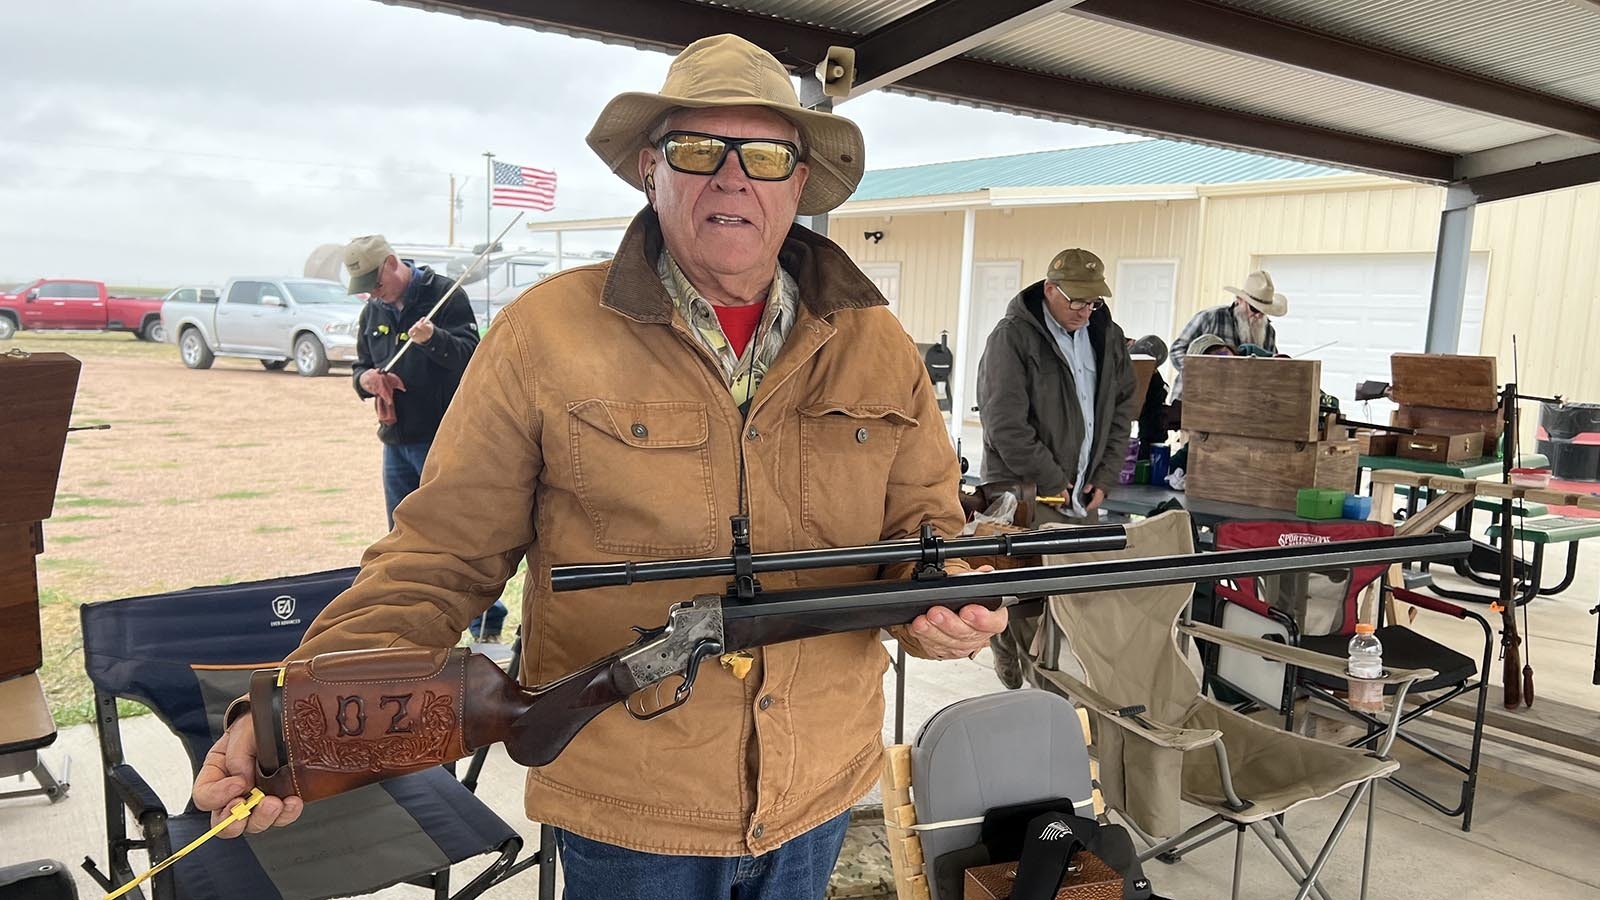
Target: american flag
{"x":523,"y":186}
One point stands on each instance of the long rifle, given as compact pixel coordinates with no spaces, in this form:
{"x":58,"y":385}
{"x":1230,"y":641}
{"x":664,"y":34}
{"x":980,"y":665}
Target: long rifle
{"x":1510,"y":640}
{"x":427,"y":707}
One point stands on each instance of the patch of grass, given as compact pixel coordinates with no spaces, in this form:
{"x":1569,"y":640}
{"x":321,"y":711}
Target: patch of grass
{"x":67,"y":565}
{"x":179,"y":501}
{"x":55,"y":597}
{"x":331,"y":522}
{"x":75,"y":501}
{"x":243,"y":495}
{"x":245,"y":445}
{"x":177,"y":434}
{"x":156,"y":422}
{"x":309,"y":489}
{"x":353,"y":539}
{"x":70,"y":538}
{"x":78,"y":517}
{"x":273,"y":529}
{"x":99,"y":483}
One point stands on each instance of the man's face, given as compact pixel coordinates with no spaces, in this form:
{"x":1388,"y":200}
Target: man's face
{"x":1248,"y":311}
{"x":1060,"y":306}
{"x":393,"y":277}
{"x":726,"y":223}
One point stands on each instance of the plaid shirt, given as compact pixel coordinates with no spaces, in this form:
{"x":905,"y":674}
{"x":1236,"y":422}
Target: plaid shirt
{"x":743,"y":374}
{"x":1220,"y":321}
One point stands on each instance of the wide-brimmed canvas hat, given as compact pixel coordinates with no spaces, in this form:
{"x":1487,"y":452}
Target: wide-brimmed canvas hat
{"x":727,"y":70}
{"x":1259,"y":293}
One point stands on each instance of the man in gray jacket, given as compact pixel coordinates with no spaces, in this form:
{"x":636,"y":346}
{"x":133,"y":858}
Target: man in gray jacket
{"x":1055,"y":392}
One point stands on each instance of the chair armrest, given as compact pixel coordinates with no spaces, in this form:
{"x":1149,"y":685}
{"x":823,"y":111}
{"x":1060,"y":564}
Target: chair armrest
{"x":1184,"y":739}
{"x":134,"y":791}
{"x":1427,"y":602}
{"x":1296,"y":656}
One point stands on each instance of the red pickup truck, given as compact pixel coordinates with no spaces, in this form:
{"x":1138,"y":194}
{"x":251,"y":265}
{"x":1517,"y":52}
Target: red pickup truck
{"x":72,"y":304}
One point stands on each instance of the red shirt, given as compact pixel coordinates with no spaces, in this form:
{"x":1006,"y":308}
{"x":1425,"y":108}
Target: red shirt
{"x":739,"y":323}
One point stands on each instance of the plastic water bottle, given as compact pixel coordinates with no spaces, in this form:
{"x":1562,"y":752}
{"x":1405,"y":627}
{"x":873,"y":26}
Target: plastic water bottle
{"x":1366,"y":661}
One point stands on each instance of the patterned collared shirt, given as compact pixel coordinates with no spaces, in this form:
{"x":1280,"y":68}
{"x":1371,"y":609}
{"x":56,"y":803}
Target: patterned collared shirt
{"x":742,"y":374}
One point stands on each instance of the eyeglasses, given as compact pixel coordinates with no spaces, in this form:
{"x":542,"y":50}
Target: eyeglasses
{"x":763,"y":159}
{"x":1079,"y":305}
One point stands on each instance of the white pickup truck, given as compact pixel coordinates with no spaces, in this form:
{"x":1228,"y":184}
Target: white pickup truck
{"x":309,"y":321}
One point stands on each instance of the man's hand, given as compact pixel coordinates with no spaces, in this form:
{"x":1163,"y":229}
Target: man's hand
{"x":227,"y":776}
{"x":421,"y":332}
{"x":370,"y":379}
{"x":1095,"y":495}
{"x":945,"y":635}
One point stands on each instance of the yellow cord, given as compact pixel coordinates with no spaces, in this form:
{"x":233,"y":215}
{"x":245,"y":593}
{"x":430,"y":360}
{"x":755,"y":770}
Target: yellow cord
{"x":239,"y":812}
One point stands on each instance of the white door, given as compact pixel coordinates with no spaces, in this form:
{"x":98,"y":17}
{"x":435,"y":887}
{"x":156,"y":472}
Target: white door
{"x":886,"y":276}
{"x":993,"y":286}
{"x":1142,"y":297}
{"x":1372,"y":305}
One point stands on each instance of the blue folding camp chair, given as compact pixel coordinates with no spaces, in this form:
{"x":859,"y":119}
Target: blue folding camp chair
{"x":186,"y":655}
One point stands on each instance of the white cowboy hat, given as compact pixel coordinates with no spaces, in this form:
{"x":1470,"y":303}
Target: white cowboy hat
{"x":1258,"y":292}
{"x":727,"y":70}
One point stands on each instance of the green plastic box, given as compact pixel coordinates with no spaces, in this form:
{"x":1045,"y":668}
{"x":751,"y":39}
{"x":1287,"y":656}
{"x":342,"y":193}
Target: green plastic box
{"x":1319,"y":503}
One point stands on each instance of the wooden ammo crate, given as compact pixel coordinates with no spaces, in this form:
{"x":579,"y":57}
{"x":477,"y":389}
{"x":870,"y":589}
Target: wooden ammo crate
{"x":1445,"y":381}
{"x":1434,"y":420}
{"x":1253,"y":397}
{"x":1260,"y":472}
{"x":1445,"y":448}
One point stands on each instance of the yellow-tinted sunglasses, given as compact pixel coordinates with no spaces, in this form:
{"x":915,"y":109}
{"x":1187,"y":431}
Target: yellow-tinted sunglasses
{"x":763,"y":159}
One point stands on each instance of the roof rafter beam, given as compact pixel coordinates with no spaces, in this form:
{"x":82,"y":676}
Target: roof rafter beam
{"x":1238,"y":31}
{"x":1550,"y":176}
{"x":673,"y":24}
{"x":939,"y":31}
{"x":1097,"y":104}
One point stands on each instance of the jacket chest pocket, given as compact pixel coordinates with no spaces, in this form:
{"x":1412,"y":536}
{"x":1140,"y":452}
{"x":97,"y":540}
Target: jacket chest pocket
{"x":846,"y":452}
{"x":642,"y":472}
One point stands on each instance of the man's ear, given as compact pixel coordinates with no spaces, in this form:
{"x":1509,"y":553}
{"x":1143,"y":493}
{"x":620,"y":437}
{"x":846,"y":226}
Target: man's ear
{"x":647,"y":174}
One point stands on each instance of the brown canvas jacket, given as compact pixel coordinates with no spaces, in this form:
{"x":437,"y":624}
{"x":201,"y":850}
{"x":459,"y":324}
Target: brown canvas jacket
{"x":590,"y":427}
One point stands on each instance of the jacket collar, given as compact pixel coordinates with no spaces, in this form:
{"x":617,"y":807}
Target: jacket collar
{"x":829,"y":281}
{"x":1028,"y":306}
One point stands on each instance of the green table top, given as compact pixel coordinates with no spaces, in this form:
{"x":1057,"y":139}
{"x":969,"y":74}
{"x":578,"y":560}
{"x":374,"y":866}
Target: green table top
{"x":1554,"y":530}
{"x":1480,"y":468}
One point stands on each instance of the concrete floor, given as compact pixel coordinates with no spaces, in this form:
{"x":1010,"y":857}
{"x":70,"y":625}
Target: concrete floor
{"x":1536,"y":832}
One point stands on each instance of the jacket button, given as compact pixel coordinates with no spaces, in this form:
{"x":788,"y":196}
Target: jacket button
{"x":639,"y":430}
{"x":752,"y":434}
{"x":766,"y":702}
{"x":861,"y":435}
{"x":758,"y":831}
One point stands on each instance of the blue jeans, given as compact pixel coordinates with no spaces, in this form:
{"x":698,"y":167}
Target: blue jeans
{"x":402,"y":472}
{"x":798,"y":870}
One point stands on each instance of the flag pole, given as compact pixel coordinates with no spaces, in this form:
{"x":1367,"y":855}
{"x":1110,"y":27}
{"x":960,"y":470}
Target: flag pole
{"x":488,"y":231}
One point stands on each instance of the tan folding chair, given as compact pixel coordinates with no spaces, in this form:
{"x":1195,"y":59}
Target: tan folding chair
{"x":1159,"y":740}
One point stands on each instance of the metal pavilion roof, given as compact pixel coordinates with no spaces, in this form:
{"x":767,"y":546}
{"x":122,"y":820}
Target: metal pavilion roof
{"x":1128,"y":163}
{"x":1499,"y":97}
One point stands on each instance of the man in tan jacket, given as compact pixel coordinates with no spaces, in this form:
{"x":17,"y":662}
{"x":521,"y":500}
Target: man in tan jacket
{"x":726,"y":360}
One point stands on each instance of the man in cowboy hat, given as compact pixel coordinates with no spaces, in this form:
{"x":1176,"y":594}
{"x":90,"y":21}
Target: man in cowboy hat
{"x":1244,"y":321}
{"x":726,"y":362}
{"x":1055,"y":392}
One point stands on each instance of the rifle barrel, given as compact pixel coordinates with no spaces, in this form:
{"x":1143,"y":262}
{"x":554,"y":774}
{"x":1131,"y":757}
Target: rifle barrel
{"x":909,"y":550}
{"x":805,"y":612}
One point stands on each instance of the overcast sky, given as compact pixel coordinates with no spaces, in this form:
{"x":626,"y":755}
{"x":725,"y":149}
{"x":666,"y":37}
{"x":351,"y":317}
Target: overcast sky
{"x":176,"y":141}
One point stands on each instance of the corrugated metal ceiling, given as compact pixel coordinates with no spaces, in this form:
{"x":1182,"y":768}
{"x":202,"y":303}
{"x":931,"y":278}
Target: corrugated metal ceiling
{"x":1551,"y":46}
{"x":1123,"y":57}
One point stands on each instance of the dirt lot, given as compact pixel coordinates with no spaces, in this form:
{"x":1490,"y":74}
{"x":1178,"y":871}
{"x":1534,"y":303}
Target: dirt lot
{"x":205,"y":477}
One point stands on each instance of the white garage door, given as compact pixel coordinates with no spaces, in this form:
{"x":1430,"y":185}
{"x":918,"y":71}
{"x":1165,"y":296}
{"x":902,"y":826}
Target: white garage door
{"x":1373,"y":305}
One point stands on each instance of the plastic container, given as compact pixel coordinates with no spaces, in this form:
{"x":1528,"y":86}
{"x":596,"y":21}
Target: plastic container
{"x":1141,"y":472}
{"x":1160,"y":458}
{"x":1366,"y":661}
{"x":1359,"y":508}
{"x":1319,"y":503}
{"x":1530,"y":478}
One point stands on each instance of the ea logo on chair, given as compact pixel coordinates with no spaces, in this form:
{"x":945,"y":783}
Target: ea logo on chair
{"x":283,"y":608}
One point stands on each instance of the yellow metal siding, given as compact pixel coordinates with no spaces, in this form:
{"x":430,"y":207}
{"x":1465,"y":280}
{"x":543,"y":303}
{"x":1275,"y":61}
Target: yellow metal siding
{"x":1543,"y":277}
{"x":928,"y":247}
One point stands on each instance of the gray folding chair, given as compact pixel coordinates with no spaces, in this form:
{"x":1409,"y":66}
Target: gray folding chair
{"x":1160,"y":741}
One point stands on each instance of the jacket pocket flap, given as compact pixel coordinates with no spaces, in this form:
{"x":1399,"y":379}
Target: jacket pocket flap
{"x":648,"y":425}
{"x":891,"y":414}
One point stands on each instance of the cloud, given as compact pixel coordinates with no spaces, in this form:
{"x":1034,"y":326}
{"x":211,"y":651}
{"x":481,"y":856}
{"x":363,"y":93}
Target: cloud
{"x":193,"y":140}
